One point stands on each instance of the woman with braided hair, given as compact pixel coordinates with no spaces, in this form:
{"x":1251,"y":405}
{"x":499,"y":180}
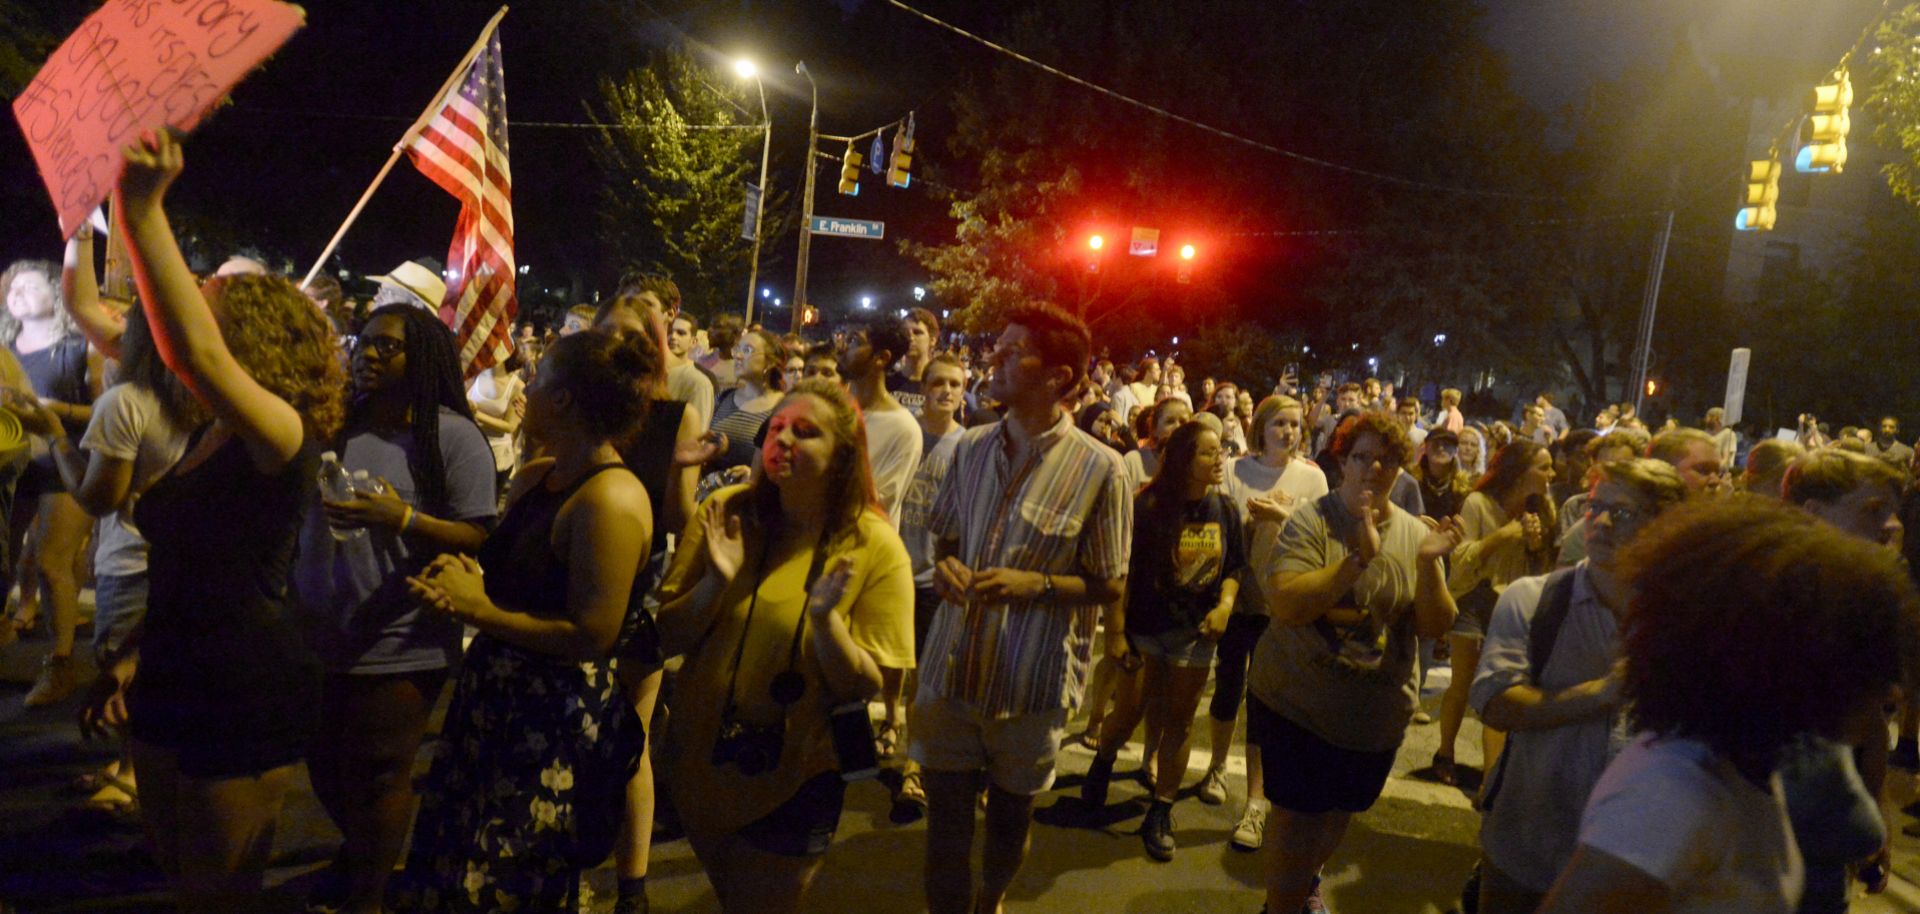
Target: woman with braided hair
{"x":431,"y":492}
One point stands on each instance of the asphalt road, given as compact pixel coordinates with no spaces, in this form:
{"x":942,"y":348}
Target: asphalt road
{"x":1410,"y":853}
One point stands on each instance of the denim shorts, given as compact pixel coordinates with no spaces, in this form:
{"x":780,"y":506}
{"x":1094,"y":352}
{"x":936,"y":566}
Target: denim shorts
{"x":803,"y":826}
{"x":1180,"y":646}
{"x":119,"y":603}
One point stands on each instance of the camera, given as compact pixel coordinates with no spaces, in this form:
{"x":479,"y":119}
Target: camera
{"x":751,"y":748}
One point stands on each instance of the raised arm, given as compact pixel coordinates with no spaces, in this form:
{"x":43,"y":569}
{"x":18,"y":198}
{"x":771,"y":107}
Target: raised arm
{"x":184,"y":329}
{"x":80,"y":291}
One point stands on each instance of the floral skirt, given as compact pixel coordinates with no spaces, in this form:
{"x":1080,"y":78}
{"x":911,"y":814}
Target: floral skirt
{"x":526,"y":787}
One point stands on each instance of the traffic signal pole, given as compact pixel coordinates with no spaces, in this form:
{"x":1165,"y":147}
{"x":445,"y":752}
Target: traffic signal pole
{"x":806,"y":205}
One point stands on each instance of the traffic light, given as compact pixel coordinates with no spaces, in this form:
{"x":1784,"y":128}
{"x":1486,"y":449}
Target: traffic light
{"x":809,"y":315}
{"x":850,"y":172}
{"x":1095,"y":242}
{"x":1185,"y":273}
{"x":1763,"y":191}
{"x":897,"y":175}
{"x":1653,"y":387}
{"x":1827,"y":129}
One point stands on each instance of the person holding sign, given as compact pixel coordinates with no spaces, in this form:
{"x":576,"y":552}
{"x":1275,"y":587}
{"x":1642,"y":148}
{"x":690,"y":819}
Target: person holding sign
{"x":224,"y":698}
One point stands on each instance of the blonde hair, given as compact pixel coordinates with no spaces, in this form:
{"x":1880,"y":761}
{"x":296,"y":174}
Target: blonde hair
{"x":849,"y":479}
{"x":1263,"y":415}
{"x":10,"y":325}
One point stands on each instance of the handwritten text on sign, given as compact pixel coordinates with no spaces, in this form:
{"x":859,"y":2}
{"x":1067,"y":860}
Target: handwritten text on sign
{"x":136,"y":65}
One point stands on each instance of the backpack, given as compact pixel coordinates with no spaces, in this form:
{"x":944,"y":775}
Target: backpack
{"x":1556,"y":598}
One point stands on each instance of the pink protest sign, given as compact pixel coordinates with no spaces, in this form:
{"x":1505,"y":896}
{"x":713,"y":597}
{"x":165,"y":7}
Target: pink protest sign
{"x":136,"y":65}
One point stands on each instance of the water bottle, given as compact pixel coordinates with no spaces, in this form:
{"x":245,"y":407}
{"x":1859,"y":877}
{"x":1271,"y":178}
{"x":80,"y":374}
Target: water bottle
{"x":337,"y":486}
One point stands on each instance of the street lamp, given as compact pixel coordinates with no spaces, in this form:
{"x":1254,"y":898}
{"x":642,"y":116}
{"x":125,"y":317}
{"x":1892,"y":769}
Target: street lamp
{"x":806,"y":206}
{"x":866,"y":301}
{"x":746,"y":70}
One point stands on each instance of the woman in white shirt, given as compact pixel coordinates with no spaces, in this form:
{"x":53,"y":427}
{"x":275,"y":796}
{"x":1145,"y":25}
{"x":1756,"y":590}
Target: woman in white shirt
{"x":1690,"y":816}
{"x":1266,"y":486}
{"x":493,"y":395}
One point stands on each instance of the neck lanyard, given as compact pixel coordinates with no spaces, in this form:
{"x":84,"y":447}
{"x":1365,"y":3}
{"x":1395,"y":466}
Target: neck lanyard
{"x":799,"y":626}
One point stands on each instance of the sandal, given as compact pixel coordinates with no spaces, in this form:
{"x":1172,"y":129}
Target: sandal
{"x":886,"y":741}
{"x":95,"y":781}
{"x":1444,"y":771}
{"x":117,"y":799}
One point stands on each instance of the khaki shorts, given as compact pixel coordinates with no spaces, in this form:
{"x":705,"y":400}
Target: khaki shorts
{"x":1017,"y":752}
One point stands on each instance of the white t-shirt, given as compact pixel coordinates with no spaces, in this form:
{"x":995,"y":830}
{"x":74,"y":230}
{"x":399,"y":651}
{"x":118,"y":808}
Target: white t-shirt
{"x":686,"y":384}
{"x":1247,"y":479}
{"x":128,"y":425}
{"x":893,"y":452}
{"x":1673,"y":809}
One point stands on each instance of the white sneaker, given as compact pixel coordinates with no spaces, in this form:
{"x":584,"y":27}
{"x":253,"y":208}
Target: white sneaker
{"x":1213,"y":787}
{"x":1252,"y":830}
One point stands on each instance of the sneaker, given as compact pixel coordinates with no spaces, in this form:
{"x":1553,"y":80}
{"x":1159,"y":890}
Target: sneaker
{"x":59,"y":679}
{"x":1422,"y":717}
{"x":1252,"y":830}
{"x":1093,"y":790}
{"x":1906,"y":754}
{"x":1213,"y":787}
{"x":1315,"y":904}
{"x":1157,"y":831}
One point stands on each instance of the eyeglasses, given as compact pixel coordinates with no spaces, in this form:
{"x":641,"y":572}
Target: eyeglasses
{"x":1620,"y":515}
{"x":382,"y":347}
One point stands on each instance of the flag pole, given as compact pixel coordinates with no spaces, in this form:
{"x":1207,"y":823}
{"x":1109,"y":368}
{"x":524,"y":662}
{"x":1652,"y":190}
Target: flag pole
{"x":401,"y":146}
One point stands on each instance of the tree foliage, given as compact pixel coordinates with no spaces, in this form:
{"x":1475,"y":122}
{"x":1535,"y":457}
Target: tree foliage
{"x":673,"y":197}
{"x":1893,"y":99}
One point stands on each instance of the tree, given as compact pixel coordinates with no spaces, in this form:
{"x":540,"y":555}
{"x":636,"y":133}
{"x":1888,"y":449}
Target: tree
{"x":676,"y":158}
{"x":1893,"y":98}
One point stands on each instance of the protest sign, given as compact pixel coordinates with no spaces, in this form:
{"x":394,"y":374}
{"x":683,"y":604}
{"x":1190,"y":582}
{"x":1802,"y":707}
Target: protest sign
{"x":137,"y":65}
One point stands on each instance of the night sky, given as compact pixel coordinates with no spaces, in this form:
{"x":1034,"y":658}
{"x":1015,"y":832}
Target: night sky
{"x":284,"y":163}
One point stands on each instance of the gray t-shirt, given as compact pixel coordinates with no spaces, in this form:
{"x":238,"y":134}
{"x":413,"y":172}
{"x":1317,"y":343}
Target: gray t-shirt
{"x":1534,"y":824}
{"x":686,"y":384}
{"x":353,"y":594}
{"x":1351,"y":684}
{"x":129,"y":425}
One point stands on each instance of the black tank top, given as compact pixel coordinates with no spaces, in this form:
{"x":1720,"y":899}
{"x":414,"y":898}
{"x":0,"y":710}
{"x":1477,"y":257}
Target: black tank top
{"x":650,"y":457}
{"x":523,"y":573}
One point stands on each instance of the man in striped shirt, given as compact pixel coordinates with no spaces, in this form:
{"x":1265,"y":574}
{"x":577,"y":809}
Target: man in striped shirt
{"x":1031,"y":522}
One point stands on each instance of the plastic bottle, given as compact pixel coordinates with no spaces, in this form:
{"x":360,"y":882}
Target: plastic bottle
{"x":336,"y":485}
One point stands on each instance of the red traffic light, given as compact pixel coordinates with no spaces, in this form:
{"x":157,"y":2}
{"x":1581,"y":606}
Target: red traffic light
{"x":1187,"y":252}
{"x":1096,"y":242}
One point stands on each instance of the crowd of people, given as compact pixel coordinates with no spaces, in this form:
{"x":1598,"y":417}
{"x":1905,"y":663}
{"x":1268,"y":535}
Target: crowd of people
{"x":664,"y":569}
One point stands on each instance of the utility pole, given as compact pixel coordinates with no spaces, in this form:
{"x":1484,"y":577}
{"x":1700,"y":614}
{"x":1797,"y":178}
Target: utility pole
{"x":806,"y":205}
{"x":760,"y":200}
{"x":1650,"y":304}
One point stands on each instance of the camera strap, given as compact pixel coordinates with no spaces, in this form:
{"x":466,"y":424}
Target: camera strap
{"x":753,"y":602}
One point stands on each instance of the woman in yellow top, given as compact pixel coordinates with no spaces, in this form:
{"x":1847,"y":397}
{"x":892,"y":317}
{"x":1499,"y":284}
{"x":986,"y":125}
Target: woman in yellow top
{"x":1510,"y":532}
{"x":788,"y":594}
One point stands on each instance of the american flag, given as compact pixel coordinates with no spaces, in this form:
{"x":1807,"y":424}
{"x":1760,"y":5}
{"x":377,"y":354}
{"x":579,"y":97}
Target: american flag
{"x":463,"y":148}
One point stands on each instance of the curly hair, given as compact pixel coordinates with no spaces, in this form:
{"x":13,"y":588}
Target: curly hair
{"x":10,"y":325}
{"x":849,"y":478}
{"x":610,"y":377}
{"x":1751,"y":622}
{"x":1378,"y":422}
{"x":283,"y":341}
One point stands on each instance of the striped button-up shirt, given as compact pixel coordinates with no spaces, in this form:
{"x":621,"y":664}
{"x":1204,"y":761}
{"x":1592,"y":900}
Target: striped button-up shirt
{"x":1060,"y":507}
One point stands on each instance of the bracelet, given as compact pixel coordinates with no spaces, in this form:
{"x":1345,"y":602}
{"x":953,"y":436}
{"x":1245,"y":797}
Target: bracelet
{"x":1048,"y":593}
{"x":406,"y":520}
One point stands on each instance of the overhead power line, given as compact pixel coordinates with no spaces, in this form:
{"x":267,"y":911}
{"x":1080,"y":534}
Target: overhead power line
{"x":573,"y":125}
{"x":1225,"y":134}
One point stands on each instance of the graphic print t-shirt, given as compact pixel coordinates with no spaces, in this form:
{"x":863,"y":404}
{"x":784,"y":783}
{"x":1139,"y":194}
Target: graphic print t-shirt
{"x":1175,"y":587}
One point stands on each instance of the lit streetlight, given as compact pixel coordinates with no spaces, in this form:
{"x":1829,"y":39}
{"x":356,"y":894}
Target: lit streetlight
{"x":745,"y":69}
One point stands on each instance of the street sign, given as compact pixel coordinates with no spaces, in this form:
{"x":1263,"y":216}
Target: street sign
{"x":749,"y":213}
{"x":1146,"y":242}
{"x":1736,"y":385}
{"x":847,"y":228}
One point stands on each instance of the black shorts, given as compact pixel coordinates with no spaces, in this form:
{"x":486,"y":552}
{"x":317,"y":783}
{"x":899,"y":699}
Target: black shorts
{"x":803,"y":826}
{"x":1307,"y":774}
